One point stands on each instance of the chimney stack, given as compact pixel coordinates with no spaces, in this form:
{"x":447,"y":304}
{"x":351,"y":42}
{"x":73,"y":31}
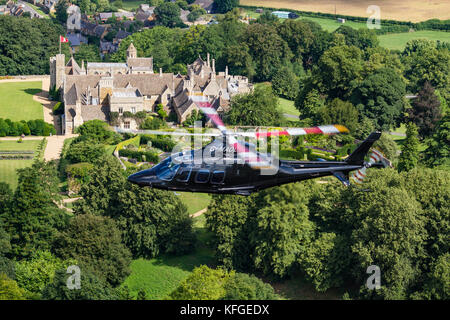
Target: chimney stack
{"x":160,"y":72}
{"x":207,"y":60}
{"x":226,"y":71}
{"x":214,"y":66}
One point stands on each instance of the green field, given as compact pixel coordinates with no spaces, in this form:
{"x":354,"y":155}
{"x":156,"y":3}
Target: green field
{"x":158,"y":277}
{"x":195,"y":201}
{"x":331,"y":24}
{"x":398,"y":40}
{"x":130,"y":5}
{"x":8,"y":168}
{"x":16,"y":102}
{"x":287,"y":106}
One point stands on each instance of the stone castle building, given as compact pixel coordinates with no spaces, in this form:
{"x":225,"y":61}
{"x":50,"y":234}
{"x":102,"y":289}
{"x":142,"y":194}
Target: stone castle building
{"x":95,"y":90}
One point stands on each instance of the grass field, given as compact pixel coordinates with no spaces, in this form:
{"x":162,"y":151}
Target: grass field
{"x":160,"y":276}
{"x":399,"y":40}
{"x":16,"y":102}
{"x":403,"y":10}
{"x":195,"y":201}
{"x":8,"y":168}
{"x":131,"y":4}
{"x":287,"y":106}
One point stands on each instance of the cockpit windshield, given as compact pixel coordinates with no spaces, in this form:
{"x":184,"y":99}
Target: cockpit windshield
{"x":167,"y":169}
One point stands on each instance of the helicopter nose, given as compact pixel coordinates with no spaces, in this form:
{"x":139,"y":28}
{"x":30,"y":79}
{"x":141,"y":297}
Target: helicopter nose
{"x":142,"y":178}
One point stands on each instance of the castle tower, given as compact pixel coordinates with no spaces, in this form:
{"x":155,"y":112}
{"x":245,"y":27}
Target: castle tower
{"x":105,"y":88}
{"x":131,"y":51}
{"x":57,"y":71}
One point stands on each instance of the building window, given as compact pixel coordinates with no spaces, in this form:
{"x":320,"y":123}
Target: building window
{"x":168,"y":96}
{"x":126,"y":125}
{"x":120,"y":110}
{"x":133,"y":110}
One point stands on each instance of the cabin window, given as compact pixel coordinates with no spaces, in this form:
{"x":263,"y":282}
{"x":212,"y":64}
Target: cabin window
{"x":218,"y":177}
{"x":202,"y":176}
{"x":126,"y":124}
{"x":184,"y":175}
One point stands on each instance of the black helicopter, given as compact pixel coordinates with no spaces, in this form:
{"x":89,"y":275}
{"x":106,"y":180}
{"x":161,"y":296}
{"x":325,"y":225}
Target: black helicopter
{"x":229,"y":166}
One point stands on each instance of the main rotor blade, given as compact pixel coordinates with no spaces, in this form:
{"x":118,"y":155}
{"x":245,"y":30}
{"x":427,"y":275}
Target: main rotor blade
{"x":167,"y":133}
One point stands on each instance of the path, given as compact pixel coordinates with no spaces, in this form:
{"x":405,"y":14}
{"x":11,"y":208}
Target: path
{"x":198,"y":213}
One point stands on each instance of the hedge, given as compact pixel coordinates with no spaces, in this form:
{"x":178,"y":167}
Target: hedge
{"x":134,"y":141}
{"x":164,"y":143}
{"x":139,"y":155}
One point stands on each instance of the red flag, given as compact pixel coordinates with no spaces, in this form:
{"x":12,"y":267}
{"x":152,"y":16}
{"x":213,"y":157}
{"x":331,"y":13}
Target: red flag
{"x":63,"y":40}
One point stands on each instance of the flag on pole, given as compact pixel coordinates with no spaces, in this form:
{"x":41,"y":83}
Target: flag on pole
{"x":63,"y":39}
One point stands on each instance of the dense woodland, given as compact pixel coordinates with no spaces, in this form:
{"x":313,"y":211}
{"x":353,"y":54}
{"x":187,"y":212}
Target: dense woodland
{"x":399,"y":220}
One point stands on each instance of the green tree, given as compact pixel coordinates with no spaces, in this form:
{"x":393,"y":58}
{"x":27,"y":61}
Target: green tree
{"x":227,"y":219}
{"x":362,"y":38}
{"x":324,"y":261}
{"x":95,"y":243}
{"x":380,"y":97}
{"x":338,"y":71}
{"x":438,"y":282}
{"x":88,"y":52}
{"x":410,"y":149}
{"x":424,"y":62}
{"x":92,"y":288}
{"x":425,"y":110}
{"x":285,"y":83}
{"x":223,"y":6}
{"x":242,"y":286}
{"x":258,"y":108}
{"x":267,"y":49}
{"x":153,"y":222}
{"x":96,"y":131}
{"x":168,"y":15}
{"x":34,"y":219}
{"x":438,"y":150}
{"x":340,"y":112}
{"x":45,"y":34}
{"x":61,"y":11}
{"x":203,"y":284}
{"x":281,"y":228}
{"x":310,"y":105}
{"x":9,"y":290}
{"x":34,"y":274}
{"x":85,"y":151}
{"x":239,"y":61}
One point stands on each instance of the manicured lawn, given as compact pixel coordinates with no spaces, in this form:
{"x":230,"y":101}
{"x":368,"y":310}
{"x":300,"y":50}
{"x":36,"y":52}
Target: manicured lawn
{"x":158,"y":277}
{"x":8,"y":168}
{"x":195,"y":201}
{"x":399,"y":40}
{"x":131,"y":4}
{"x":13,"y":145}
{"x":287,"y":106}
{"x":16,"y":102}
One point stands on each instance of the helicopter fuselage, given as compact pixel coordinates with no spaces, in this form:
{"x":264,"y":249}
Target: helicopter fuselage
{"x":233,"y":178}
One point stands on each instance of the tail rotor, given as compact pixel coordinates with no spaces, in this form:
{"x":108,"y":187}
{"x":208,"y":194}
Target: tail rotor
{"x":376,"y":157}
